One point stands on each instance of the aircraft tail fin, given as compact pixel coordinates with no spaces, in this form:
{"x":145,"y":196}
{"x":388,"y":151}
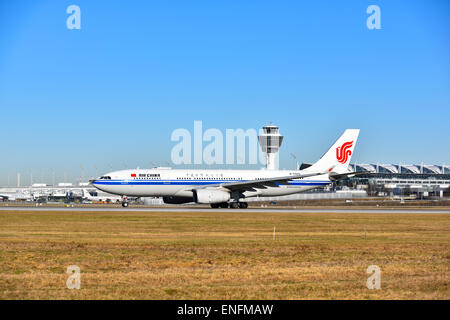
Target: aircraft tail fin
{"x":338,"y":157}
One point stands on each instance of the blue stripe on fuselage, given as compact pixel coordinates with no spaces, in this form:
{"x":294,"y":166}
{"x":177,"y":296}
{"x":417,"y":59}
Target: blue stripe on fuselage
{"x":197,"y":182}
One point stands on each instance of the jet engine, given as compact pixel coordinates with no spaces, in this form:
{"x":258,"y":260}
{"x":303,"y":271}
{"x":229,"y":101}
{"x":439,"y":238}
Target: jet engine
{"x":211,"y":196}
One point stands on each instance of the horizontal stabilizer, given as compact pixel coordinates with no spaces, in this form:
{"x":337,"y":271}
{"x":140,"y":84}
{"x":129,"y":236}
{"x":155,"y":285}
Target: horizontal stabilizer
{"x":339,"y":176}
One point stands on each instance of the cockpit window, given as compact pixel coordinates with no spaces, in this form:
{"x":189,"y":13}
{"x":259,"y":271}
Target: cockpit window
{"x":105,"y":178}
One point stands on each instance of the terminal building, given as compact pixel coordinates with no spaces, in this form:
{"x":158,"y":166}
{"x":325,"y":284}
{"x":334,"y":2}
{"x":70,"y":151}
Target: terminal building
{"x":382,"y":180}
{"x":420,"y":181}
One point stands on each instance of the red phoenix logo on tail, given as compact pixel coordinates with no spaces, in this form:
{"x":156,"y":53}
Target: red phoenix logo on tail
{"x":343,"y":152}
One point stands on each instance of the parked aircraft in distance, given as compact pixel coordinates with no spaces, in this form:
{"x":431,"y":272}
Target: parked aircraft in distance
{"x":103,"y":198}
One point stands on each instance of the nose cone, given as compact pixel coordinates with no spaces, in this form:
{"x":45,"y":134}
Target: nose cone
{"x":103,"y":183}
{"x":96,"y":183}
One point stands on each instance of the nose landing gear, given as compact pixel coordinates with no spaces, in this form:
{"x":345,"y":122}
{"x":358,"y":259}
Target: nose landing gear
{"x":124,"y":202}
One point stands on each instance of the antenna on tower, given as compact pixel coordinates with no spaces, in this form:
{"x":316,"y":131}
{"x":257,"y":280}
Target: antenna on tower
{"x":82,"y":173}
{"x":270,"y":142}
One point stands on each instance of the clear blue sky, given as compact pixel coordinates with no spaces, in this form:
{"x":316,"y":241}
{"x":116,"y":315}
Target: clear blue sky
{"x":112,"y":92}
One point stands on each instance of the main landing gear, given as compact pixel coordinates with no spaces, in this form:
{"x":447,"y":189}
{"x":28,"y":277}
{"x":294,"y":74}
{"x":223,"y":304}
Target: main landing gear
{"x":219,"y":205}
{"x":236,"y":205}
{"x":124,"y":202}
{"x":233,"y":205}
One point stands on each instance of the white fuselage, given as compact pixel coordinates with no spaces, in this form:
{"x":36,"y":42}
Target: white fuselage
{"x":180,"y":182}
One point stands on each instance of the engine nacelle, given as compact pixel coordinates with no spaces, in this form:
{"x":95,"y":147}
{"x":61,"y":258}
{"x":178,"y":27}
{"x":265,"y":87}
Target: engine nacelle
{"x":211,"y":196}
{"x":177,"y":200}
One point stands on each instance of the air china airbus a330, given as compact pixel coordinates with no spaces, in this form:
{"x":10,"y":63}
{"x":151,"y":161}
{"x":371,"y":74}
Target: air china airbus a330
{"x":226,"y":188}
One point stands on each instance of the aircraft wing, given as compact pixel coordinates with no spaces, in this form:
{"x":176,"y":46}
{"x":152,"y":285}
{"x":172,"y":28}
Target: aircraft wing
{"x":250,"y":185}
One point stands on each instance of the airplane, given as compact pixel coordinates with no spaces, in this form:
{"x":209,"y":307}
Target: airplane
{"x":226,"y":188}
{"x":16,"y":196}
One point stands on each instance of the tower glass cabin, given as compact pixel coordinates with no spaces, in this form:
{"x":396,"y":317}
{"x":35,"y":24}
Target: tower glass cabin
{"x":270,"y":142}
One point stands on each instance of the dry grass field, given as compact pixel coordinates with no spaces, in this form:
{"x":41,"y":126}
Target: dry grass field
{"x":223,"y":255}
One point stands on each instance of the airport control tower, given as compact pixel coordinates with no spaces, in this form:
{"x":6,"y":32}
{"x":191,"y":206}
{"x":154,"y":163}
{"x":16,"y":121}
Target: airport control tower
{"x":270,"y":142}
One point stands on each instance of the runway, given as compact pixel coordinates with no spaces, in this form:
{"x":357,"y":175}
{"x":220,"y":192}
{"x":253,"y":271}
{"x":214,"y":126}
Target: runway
{"x":252,"y":210}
